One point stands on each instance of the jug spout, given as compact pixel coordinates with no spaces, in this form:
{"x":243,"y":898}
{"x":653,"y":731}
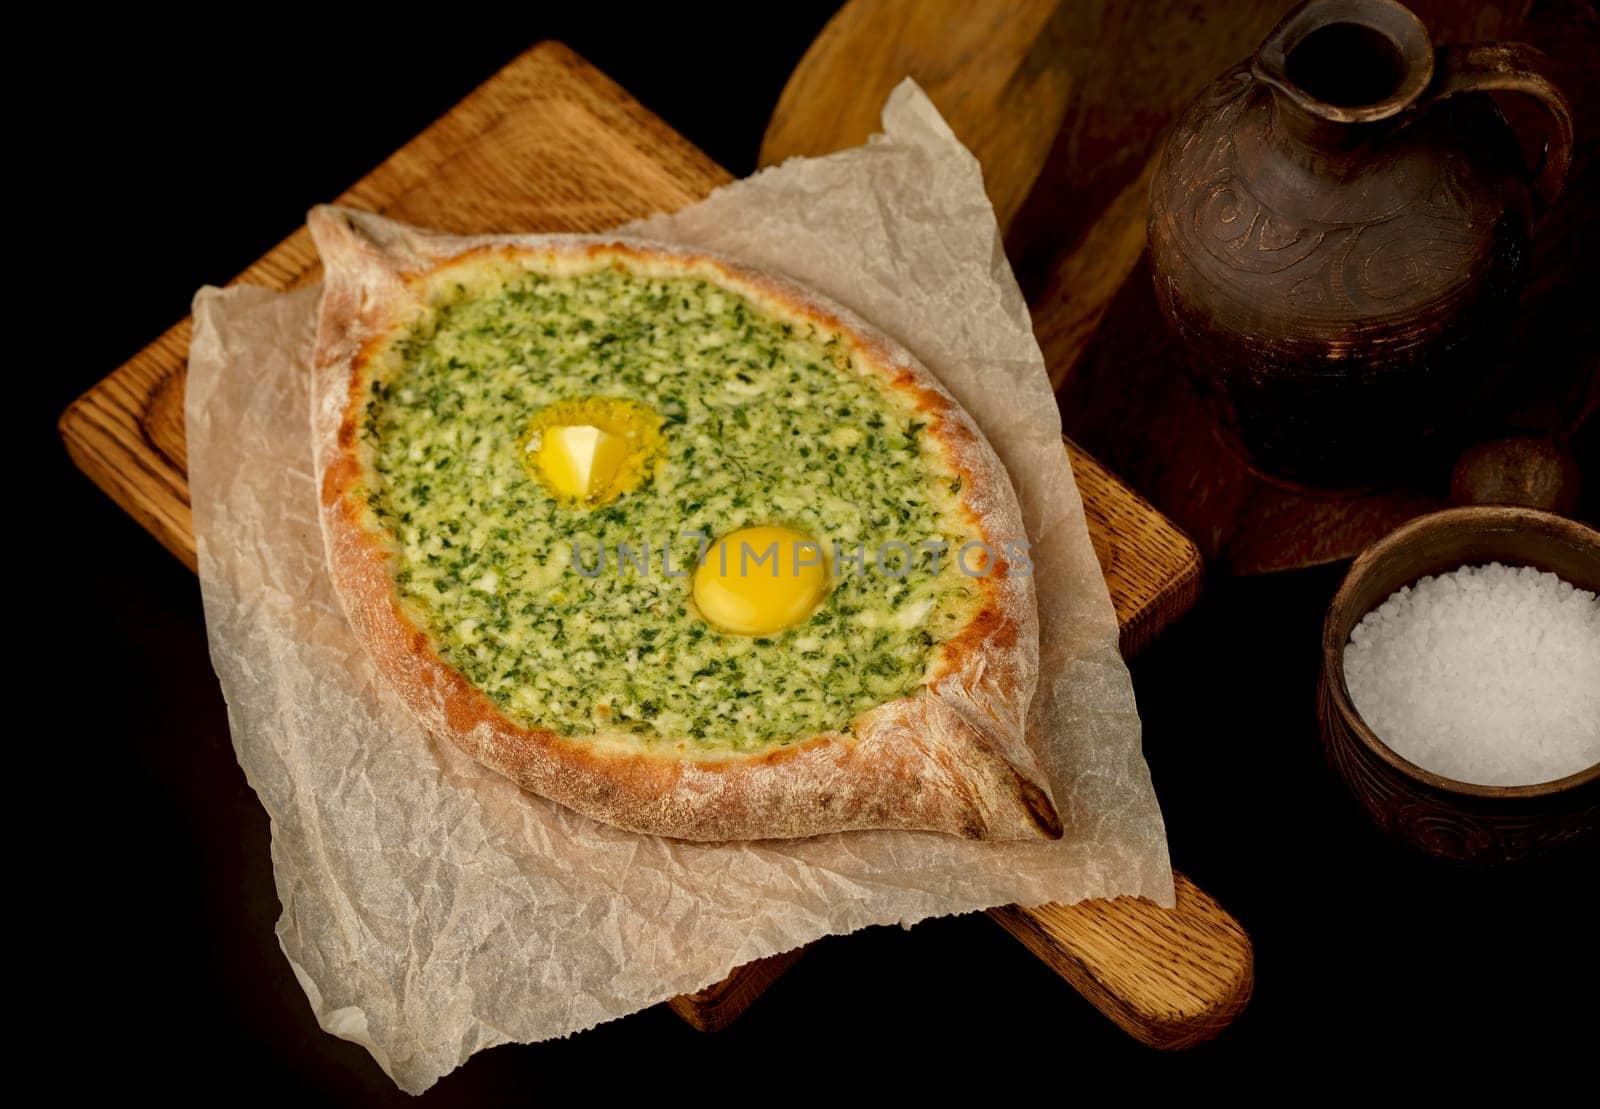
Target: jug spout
{"x":1335,"y":66}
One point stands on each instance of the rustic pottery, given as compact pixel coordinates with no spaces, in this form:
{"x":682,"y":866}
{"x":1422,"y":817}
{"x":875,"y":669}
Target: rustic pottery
{"x":1338,"y":231}
{"x":1441,"y":816}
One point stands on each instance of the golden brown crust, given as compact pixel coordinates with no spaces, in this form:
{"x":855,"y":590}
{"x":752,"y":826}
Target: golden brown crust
{"x":950,"y":758}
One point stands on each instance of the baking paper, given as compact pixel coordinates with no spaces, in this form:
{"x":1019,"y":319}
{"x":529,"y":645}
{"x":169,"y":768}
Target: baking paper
{"x":431,"y":909}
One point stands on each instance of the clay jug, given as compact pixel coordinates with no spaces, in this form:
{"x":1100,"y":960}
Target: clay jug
{"x":1338,"y":234}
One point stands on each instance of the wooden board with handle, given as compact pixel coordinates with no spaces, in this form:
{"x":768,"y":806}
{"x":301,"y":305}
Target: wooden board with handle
{"x":550,"y":144}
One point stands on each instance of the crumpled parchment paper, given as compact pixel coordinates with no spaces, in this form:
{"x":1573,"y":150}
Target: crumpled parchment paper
{"x":431,"y":909}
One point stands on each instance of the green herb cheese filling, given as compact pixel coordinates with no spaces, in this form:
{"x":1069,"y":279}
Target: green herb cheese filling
{"x":764,"y":421}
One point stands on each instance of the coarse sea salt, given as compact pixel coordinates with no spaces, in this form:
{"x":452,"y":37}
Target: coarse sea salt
{"x":1489,"y":674}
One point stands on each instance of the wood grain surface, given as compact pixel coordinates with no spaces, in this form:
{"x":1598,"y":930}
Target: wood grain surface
{"x":550,"y":144}
{"x":1000,"y":73}
{"x":1077,"y":239}
{"x":721,"y":1003}
{"x":1171,"y":980}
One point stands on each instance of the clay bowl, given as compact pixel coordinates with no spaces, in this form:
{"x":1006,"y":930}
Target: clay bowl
{"x":1439,"y":815}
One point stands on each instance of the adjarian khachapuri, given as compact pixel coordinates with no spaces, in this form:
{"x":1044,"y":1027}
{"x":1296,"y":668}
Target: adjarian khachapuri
{"x":671,"y":541}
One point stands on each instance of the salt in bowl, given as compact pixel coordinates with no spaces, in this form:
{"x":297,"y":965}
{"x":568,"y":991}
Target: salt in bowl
{"x":1442,"y":816}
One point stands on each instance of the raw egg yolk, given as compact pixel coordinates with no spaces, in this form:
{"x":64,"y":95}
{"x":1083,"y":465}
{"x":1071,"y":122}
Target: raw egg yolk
{"x":760,"y":580}
{"x":581,"y":462}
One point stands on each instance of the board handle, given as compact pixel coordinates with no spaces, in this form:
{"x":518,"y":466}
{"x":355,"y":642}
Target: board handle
{"x":1170,"y":978}
{"x":721,"y":1003}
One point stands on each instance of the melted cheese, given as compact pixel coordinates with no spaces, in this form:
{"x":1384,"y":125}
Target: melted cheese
{"x":754,"y":420}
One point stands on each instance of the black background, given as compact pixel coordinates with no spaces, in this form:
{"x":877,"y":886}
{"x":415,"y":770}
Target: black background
{"x":170,"y":161}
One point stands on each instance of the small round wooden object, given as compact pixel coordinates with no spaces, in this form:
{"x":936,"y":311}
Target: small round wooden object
{"x":1439,"y":815}
{"x":1528,"y":470}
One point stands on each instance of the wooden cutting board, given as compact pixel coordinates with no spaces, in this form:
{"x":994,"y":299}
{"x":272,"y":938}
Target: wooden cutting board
{"x":551,"y":144}
{"x":1064,"y":103}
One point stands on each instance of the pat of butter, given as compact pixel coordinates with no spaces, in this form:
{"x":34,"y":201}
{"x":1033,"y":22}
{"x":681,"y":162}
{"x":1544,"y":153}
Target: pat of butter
{"x":582,"y":461}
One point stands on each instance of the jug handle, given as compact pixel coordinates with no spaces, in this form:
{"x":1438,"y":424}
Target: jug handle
{"x":1511,"y":67}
